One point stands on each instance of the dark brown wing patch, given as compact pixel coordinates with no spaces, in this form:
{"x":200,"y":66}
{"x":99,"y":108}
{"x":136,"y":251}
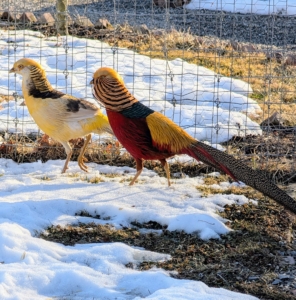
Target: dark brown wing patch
{"x":73,"y":105}
{"x":54,"y":94}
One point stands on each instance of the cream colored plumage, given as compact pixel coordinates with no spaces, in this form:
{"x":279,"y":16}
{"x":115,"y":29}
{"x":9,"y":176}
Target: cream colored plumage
{"x":61,"y":116}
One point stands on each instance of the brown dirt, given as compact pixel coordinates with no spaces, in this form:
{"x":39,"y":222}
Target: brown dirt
{"x":257,"y":258}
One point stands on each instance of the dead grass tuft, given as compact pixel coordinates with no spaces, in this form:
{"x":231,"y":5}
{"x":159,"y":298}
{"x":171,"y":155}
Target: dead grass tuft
{"x":246,"y":191}
{"x":209,"y":180}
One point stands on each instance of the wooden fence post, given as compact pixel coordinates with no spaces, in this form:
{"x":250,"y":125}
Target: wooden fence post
{"x":62,"y":17}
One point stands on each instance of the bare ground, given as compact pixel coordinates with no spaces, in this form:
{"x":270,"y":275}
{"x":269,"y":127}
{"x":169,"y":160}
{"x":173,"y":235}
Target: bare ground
{"x":257,"y":258}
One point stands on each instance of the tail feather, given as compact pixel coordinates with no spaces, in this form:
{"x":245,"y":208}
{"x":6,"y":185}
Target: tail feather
{"x":108,"y":129}
{"x":102,"y":124}
{"x":205,"y":156}
{"x":239,"y":171}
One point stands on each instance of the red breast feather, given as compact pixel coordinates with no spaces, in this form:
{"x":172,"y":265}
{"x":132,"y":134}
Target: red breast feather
{"x":135,"y":136}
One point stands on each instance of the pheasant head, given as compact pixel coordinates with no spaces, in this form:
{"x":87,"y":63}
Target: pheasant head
{"x":109,"y":89}
{"x":33,"y":74}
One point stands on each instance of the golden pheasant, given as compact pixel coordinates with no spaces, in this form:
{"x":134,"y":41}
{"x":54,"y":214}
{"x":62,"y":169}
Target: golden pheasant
{"x":147,"y":134}
{"x":61,"y":116}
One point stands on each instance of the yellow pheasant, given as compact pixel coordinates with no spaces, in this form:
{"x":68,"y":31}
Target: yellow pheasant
{"x":61,"y":116}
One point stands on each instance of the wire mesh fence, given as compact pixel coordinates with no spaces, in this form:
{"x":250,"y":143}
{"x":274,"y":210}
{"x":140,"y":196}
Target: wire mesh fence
{"x":222,"y":70}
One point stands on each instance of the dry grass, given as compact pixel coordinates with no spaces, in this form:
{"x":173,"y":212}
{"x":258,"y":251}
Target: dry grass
{"x":211,"y":187}
{"x":247,"y":191}
{"x":209,"y":180}
{"x":273,"y":83}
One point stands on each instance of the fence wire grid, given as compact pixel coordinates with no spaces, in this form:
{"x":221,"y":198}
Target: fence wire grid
{"x":222,"y":70}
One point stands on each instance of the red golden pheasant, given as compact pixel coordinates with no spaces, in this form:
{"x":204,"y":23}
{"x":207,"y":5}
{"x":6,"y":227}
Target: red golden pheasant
{"x":147,"y":134}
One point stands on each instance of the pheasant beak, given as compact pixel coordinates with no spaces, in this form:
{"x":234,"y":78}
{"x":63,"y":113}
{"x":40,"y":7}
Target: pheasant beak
{"x":91,"y":82}
{"x":12,"y":70}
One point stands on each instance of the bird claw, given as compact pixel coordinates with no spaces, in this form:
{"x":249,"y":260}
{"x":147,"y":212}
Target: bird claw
{"x":64,"y":170}
{"x":83,"y":167}
{"x":81,"y":164}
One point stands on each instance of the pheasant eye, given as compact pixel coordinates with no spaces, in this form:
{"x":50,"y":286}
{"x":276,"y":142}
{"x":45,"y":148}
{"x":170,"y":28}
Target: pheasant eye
{"x":20,"y":67}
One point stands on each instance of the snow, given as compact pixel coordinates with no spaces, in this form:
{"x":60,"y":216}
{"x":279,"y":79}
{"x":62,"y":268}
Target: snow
{"x":34,"y":196}
{"x":264,"y":7}
{"x":208,"y":106}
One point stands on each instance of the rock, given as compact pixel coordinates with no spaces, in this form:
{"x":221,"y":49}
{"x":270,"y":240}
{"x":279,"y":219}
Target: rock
{"x":242,"y":46}
{"x":103,"y":24}
{"x":287,"y":60}
{"x":284,"y":276}
{"x":277,"y":55}
{"x":234,"y":45}
{"x":248,"y":48}
{"x":179,"y":175}
{"x":28,"y":17}
{"x":276,"y":281}
{"x":289,"y":260}
{"x":253,"y":277}
{"x":11,"y":17}
{"x":7,"y":25}
{"x":47,"y":19}
{"x":84,"y":21}
{"x":274,"y":121}
{"x":290,"y":60}
{"x":157,"y":33}
{"x":142,"y":29}
{"x":170,"y":3}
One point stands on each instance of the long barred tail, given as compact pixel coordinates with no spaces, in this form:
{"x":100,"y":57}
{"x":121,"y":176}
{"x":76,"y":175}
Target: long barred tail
{"x":239,"y":171}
